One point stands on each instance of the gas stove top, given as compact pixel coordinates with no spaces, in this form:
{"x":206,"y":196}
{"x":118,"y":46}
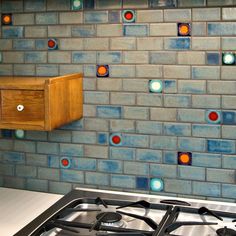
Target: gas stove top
{"x":85,"y":212}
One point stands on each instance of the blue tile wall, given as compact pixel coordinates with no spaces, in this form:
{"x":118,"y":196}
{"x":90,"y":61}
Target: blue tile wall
{"x":221,"y":146}
{"x":177,"y":43}
{"x":153,"y":127}
{"x":221,"y":29}
{"x":213,"y":58}
{"x":135,"y":30}
{"x":109,"y":112}
{"x":142,"y":183}
{"x":12,"y":32}
{"x":96,"y":17}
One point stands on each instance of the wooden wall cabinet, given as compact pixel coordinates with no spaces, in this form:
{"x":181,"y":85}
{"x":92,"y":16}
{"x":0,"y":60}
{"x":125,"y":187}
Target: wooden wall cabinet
{"x":40,"y":103}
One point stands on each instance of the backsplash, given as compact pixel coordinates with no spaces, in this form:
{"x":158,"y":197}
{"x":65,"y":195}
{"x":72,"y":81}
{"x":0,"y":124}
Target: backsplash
{"x":159,"y":96}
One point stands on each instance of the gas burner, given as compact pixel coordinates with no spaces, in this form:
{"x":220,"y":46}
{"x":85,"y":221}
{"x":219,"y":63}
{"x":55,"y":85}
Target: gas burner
{"x":110,"y":219}
{"x":226,"y":232}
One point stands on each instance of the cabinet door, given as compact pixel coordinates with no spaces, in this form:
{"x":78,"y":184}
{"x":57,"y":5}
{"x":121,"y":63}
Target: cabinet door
{"x":24,"y":106}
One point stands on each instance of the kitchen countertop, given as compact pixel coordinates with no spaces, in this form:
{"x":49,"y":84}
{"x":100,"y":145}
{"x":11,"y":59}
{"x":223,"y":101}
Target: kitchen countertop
{"x":19,"y":207}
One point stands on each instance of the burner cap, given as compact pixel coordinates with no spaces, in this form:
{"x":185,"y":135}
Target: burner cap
{"x":226,"y":232}
{"x":109,"y":217}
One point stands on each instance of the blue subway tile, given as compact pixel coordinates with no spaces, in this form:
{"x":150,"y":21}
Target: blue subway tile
{"x":48,"y":173}
{"x":221,"y":146}
{"x":109,"y":112}
{"x":220,"y":175}
{"x":221,"y":28}
{"x":161,"y":3}
{"x":170,"y":86}
{"x":213,"y":58}
{"x":72,"y":176}
{"x":170,"y":157}
{"x":37,"y":185}
{"x":136,"y":168}
{"x":109,"y":57}
{"x":75,"y":125}
{"x":84,"y":137}
{"x":135,"y":30}
{"x":110,"y":166}
{"x":47,"y":70}
{"x":13,"y":32}
{"x":206,"y":160}
{"x":177,"y":129}
{"x":162,"y":170}
{"x":47,"y":18}
{"x":177,"y":100}
{"x":71,"y":149}
{"x":24,"y":146}
{"x":59,"y":187}
{"x":122,"y":153}
{"x":102,"y":138}
{"x":83,"y":31}
{"x":83,"y":57}
{"x":47,"y":148}
{"x":163,"y":142}
{"x":26,"y":171}
{"x":192,"y":144}
{"x":12,"y":6}
{"x":41,"y":44}
{"x":149,"y":127}
{"x":7,"y":133}
{"x":86,"y":164}
{"x":148,"y":155}
{"x":35,"y":57}
{"x":206,"y":189}
{"x":135,"y":140}
{"x":23,"y":44}
{"x":206,"y":72}
{"x":123,"y":181}
{"x":39,"y":5}
{"x":53,"y":161}
{"x":14,"y":157}
{"x":114,"y":17}
{"x":96,"y":17}
{"x":192,"y":173}
{"x":206,"y":130}
{"x":36,"y":160}
{"x":229,"y":190}
{"x":99,"y":179}
{"x":59,"y":5}
{"x":229,"y":162}
{"x":228,"y":117}
{"x":6,"y":169}
{"x":142,"y":183}
{"x":178,"y":186}
{"x":191,"y":3}
{"x":89,"y":4}
{"x":178,"y":43}
{"x":14,"y":182}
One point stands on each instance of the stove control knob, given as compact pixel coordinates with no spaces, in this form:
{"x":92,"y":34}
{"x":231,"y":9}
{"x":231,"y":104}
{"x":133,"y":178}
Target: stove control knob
{"x":20,"y":107}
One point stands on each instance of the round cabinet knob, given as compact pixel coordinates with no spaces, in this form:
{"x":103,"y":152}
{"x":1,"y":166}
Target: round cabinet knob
{"x":20,"y":107}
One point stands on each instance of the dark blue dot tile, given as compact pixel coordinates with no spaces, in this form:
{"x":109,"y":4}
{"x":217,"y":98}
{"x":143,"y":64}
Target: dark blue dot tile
{"x":229,"y":117}
{"x":102,"y":138}
{"x":142,"y":183}
{"x":88,"y":4}
{"x":7,"y":133}
{"x":213,"y":58}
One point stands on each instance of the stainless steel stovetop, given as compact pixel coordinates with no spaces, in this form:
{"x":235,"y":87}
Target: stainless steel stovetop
{"x":85,"y":212}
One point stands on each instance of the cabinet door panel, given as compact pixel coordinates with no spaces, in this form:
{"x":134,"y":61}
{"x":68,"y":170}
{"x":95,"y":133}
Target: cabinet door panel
{"x":22,"y":106}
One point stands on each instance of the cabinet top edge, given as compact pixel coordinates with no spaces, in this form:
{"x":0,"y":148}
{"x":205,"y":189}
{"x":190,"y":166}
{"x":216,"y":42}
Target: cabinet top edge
{"x":34,"y":82}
